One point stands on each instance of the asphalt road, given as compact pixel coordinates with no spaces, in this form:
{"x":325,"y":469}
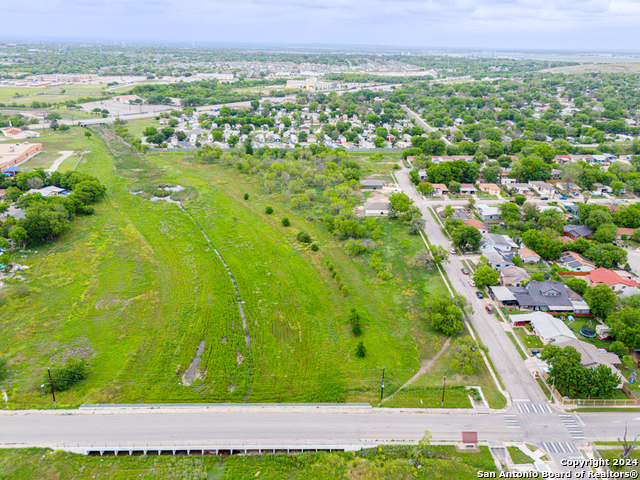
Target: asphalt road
{"x":518,"y":380}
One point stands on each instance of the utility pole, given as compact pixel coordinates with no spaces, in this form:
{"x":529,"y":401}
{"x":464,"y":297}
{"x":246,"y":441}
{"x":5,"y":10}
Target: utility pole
{"x":382,"y":386}
{"x":52,"y":393}
{"x":444,"y":384}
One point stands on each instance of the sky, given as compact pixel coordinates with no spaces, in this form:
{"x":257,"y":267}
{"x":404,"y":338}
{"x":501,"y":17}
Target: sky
{"x":581,"y":25}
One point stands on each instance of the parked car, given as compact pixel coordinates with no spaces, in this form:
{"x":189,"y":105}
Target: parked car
{"x":488,"y":308}
{"x":563,"y":198}
{"x":452,"y":251}
{"x":472,"y":283}
{"x":544,"y":198}
{"x":479,"y":294}
{"x":465,"y":271}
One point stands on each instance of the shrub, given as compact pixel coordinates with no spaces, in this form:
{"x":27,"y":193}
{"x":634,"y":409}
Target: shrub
{"x":65,"y":377}
{"x":356,"y":327}
{"x":268,"y":210}
{"x":315,"y":247}
{"x":361,"y":350}
{"x":345,"y":290}
{"x":4,"y":369}
{"x":618,"y":348}
{"x":304,"y":237}
{"x":285,"y":222}
{"x":330,"y":267}
{"x":246,"y":196}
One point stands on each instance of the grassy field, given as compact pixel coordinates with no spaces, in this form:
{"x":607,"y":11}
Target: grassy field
{"x":135,"y":288}
{"x":26,"y":95}
{"x":530,"y":341}
{"x":385,"y":462}
{"x":518,"y":457}
{"x":612,"y":456}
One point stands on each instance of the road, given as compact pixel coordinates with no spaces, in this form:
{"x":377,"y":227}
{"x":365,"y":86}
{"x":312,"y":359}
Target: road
{"x":422,"y":123}
{"x":518,"y":380}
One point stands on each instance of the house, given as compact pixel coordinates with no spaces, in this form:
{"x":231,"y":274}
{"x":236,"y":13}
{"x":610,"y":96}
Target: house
{"x":377,"y":208}
{"x":504,"y":296}
{"x":17,"y":134}
{"x":504,"y":180}
{"x":467,"y":189}
{"x":549,"y":329}
{"x":628,"y":232}
{"x":422,"y":174}
{"x":520,"y":188}
{"x":481,"y":226}
{"x":543,"y":295}
{"x":601,"y":189}
{"x":570,"y":207}
{"x":497,"y":260}
{"x":610,"y":279}
{"x":543,"y":188}
{"x":556,"y":174}
{"x":577,"y":231}
{"x":372,"y":184}
{"x":488,"y":212}
{"x":500,"y":242}
{"x":439,"y":189}
{"x":490,"y":188}
{"x":528,"y":256}
{"x":591,"y":356}
{"x":576,"y":262}
{"x":512,"y":276}
{"x":49,"y":191}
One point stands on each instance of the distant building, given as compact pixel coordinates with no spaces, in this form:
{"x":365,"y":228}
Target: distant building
{"x":576,"y":262}
{"x":488,"y":212}
{"x":377,"y":208}
{"x":17,"y":153}
{"x":372,"y":184}
{"x":504,"y":243}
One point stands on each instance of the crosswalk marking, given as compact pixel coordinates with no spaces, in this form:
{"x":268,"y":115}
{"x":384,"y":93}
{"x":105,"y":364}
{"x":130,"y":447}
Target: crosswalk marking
{"x":572,"y":426}
{"x":511,"y":421}
{"x":558,"y":447}
{"x":533,"y":408}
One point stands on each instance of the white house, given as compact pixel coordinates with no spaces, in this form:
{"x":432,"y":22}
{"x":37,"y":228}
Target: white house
{"x":488,"y":212}
{"x":549,"y":328}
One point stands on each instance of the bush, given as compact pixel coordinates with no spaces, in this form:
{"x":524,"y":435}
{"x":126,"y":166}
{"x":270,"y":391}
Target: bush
{"x":4,"y":369}
{"x":618,"y":348}
{"x":285,"y":222}
{"x":361,"y":350}
{"x":246,"y":196}
{"x":345,"y":290}
{"x":268,"y":210}
{"x":356,"y":327}
{"x":304,"y":237}
{"x":65,"y":377}
{"x":315,"y":247}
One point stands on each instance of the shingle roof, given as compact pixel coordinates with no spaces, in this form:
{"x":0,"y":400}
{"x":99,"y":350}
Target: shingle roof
{"x":578,"y":230}
{"x":551,"y":295}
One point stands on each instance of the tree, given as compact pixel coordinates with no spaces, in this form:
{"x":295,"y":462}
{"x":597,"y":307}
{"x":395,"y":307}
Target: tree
{"x":87,"y":134}
{"x":485,"y":275}
{"x":625,"y":326}
{"x":601,"y":300}
{"x":246,"y":196}
{"x":567,"y":373}
{"x":268,"y":210}
{"x":233,"y":141}
{"x":530,"y":168}
{"x":509,"y":211}
{"x":605,"y":233}
{"x":361,"y":350}
{"x":439,"y":254}
{"x":600,"y":381}
{"x":379,"y":142}
{"x":520,"y":199}
{"x":285,"y":222}
{"x":552,"y":219}
{"x":54,"y":125}
{"x":19,"y":236}
{"x":627,"y":447}
{"x":448,"y":211}
{"x":400,"y":202}
{"x":425,"y":188}
{"x":354,"y":319}
{"x":466,"y":235}
{"x":444,"y":315}
{"x":617,"y":186}
{"x":578,"y":285}
{"x":65,"y":377}
{"x":467,"y":356}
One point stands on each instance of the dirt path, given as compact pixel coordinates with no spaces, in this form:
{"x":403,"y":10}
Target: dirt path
{"x":64,"y":155}
{"x":424,"y":369}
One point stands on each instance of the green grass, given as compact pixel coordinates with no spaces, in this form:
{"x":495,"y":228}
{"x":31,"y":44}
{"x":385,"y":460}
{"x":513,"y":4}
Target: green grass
{"x":515,"y":342}
{"x":136,"y":287}
{"x":613,"y":456}
{"x":578,"y":323}
{"x":530,"y":341}
{"x":384,"y":462}
{"x":545,"y":389}
{"x":430,"y":397}
{"x":50,"y":94}
{"x":518,"y":456}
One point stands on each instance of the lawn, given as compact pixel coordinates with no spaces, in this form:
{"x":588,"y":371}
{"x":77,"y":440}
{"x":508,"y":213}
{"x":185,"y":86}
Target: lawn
{"x":577,"y":324}
{"x":518,"y":456}
{"x":612,"y":456}
{"x":530,"y":341}
{"x":136,"y":287}
{"x":384,"y":462}
{"x":49,"y":94}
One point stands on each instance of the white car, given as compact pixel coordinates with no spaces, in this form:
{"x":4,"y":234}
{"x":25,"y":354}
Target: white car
{"x":452,"y":251}
{"x":472,"y":283}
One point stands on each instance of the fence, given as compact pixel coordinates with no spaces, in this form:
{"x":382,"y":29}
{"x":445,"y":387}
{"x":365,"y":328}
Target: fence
{"x":592,"y":402}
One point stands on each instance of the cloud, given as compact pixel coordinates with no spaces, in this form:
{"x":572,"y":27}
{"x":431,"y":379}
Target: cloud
{"x":542,"y":24}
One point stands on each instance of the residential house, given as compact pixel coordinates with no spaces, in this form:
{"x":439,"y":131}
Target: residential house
{"x":543,"y":188}
{"x":377,"y":208}
{"x":481,"y":226}
{"x":496,"y":258}
{"x":556,"y":174}
{"x":422,"y":174}
{"x":488,"y":212}
{"x":570,"y":207}
{"x":499,"y":242}
{"x":467,"y":189}
{"x":569,"y":187}
{"x":610,"y":279}
{"x":504,"y":180}
{"x":490,"y":188}
{"x":528,"y":256}
{"x":629,"y":232}
{"x":600,"y":189}
{"x":439,"y":189}
{"x":577,"y":231}
{"x":576,"y":262}
{"x":591,"y":356}
{"x":372,"y":184}
{"x":546,"y":295}
{"x":549,"y":329}
{"x":50,"y":191}
{"x":520,"y":188}
{"x":18,"y":134}
{"x":512,"y":276}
